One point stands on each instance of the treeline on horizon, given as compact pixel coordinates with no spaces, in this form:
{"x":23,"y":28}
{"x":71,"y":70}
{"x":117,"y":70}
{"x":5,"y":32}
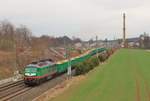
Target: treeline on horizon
{"x":12,"y":37}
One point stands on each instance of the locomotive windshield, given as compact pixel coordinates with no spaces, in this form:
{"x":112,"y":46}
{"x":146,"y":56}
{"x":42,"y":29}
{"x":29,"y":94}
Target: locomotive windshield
{"x":30,"y":71}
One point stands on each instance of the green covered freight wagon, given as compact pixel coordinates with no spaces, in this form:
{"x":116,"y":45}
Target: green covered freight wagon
{"x":62,"y":66}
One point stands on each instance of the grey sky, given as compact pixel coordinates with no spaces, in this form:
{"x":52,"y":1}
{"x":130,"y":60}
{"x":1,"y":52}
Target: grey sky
{"x":81,"y":18}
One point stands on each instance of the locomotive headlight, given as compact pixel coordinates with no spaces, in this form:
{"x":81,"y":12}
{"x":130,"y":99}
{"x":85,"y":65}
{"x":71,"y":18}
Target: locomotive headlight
{"x":27,"y":74}
{"x":33,"y":74}
{"x":30,"y":74}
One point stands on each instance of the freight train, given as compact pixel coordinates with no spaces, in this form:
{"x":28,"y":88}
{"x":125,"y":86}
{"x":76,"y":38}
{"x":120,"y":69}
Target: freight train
{"x":43,"y":70}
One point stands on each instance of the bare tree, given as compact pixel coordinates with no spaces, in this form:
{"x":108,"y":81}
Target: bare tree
{"x":23,"y":35}
{"x":23,"y":45}
{"x":7,"y":31}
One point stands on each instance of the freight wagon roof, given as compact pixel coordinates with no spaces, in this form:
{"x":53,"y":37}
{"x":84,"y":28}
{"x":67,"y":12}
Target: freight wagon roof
{"x":60,"y":62}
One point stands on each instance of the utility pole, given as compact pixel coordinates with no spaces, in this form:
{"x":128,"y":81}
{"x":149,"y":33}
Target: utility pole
{"x":106,"y":40}
{"x":124,"y":30}
{"x":96,"y":46}
{"x":69,"y":64}
{"x":67,"y":50}
{"x":16,"y":72}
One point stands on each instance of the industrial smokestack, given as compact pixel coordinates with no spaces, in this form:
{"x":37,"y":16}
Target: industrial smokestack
{"x":124,"y":30}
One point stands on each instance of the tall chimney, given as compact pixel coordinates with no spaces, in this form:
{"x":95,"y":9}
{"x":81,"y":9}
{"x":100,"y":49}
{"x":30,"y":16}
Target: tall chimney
{"x":124,"y":29}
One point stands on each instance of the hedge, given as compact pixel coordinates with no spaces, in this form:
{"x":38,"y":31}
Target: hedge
{"x":86,"y":66}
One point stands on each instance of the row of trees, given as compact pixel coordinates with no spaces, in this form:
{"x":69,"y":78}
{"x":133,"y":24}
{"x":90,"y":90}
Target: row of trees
{"x":11,"y":36}
{"x":14,"y":40}
{"x":24,"y":46}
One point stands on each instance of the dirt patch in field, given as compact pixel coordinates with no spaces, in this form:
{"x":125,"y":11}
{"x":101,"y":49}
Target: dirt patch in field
{"x":138,"y":96}
{"x":147,"y":90}
{"x":58,"y":89}
{"x":148,"y":50}
{"x":140,"y":77}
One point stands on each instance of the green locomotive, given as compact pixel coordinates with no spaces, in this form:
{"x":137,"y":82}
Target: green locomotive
{"x":38,"y":72}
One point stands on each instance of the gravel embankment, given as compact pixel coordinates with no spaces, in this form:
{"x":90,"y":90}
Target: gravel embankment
{"x":38,"y":90}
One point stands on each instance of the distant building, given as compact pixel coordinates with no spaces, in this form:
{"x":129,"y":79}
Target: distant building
{"x":78,"y":45}
{"x":133,"y":44}
{"x":144,"y":41}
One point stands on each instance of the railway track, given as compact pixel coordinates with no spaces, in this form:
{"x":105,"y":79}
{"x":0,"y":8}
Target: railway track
{"x":11,"y":90}
{"x":10,"y":85}
{"x":18,"y":90}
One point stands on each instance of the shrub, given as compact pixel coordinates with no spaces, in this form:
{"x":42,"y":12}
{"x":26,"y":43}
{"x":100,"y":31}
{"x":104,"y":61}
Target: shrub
{"x":78,"y":69}
{"x":103,"y":57}
{"x":86,"y":66}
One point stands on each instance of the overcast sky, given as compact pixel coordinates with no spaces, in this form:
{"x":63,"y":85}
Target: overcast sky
{"x":81,"y":18}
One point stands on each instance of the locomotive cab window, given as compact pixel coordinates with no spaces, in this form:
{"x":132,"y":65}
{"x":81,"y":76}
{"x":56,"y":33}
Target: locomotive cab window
{"x":30,"y":69}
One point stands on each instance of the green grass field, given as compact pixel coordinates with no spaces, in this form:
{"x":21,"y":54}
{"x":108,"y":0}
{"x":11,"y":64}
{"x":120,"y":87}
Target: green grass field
{"x":124,"y":77}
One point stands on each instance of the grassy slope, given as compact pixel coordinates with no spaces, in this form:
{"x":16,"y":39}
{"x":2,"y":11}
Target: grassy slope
{"x":125,"y":77}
